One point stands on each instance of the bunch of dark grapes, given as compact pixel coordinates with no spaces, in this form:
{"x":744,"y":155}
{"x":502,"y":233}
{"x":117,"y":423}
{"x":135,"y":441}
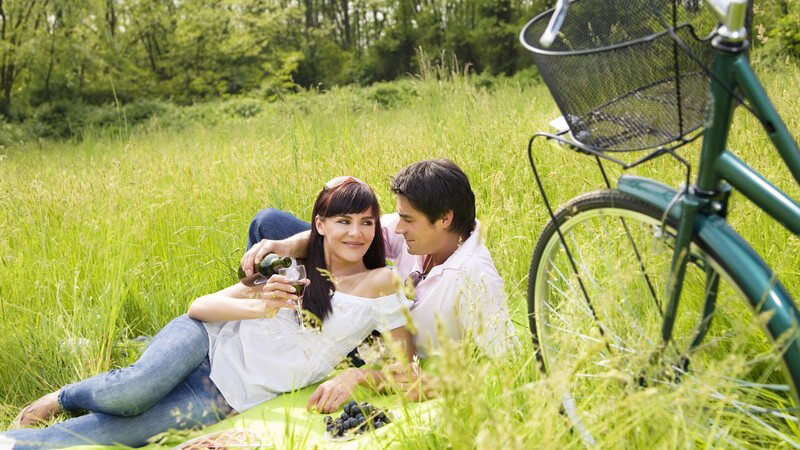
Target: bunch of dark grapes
{"x":356,"y":419}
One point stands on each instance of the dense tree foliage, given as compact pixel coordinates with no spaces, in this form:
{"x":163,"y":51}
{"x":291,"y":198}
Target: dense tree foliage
{"x":56,"y":52}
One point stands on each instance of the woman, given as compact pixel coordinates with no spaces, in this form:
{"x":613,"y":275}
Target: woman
{"x":225,"y":356}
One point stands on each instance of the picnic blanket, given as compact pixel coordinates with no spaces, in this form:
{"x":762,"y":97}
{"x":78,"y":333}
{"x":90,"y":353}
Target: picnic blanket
{"x":283,"y":422}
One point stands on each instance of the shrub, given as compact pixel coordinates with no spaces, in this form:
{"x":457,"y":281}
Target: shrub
{"x":142,"y":110}
{"x":62,"y":118}
{"x":242,"y":107}
{"x":389,"y":95}
{"x":787,"y":34}
{"x":12,"y":133}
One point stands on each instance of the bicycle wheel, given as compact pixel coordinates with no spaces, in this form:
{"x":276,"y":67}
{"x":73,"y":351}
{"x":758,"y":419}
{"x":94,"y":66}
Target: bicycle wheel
{"x":721,"y":366}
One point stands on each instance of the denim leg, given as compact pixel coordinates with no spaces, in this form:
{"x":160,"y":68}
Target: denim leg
{"x":194,"y":402}
{"x":173,"y":354}
{"x":274,"y":224}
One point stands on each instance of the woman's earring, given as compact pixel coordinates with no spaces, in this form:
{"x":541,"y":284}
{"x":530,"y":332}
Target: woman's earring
{"x":460,"y":241}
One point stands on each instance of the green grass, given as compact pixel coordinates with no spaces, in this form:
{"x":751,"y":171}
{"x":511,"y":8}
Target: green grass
{"x":108,"y":238}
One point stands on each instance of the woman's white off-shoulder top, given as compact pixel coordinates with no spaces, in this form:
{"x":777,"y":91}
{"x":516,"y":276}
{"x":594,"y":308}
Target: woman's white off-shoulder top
{"x":255,"y":360}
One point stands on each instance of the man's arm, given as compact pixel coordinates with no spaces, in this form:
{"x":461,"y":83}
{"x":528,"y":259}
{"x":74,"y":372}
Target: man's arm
{"x":330,"y":395}
{"x":294,"y":246}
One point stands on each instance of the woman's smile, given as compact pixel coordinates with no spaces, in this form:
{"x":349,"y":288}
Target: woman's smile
{"x":348,"y":236}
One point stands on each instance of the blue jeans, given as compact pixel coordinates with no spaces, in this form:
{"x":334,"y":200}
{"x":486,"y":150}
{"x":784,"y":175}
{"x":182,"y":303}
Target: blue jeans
{"x":168,"y":387}
{"x":274,"y":224}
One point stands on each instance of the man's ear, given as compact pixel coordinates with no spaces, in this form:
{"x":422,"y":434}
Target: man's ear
{"x":447,"y":219}
{"x":320,"y":225}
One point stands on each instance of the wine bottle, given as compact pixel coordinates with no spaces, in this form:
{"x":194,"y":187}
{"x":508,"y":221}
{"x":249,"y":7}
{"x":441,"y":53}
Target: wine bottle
{"x":266,"y":267}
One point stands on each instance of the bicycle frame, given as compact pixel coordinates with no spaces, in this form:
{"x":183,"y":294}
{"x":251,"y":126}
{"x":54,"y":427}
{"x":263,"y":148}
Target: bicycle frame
{"x":720,"y":169}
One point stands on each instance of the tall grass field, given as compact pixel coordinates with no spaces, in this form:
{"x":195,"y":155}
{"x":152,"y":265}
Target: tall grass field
{"x":107,"y":239}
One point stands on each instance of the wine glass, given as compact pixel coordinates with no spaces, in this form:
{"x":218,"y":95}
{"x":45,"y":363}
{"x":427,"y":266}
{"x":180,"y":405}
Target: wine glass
{"x":296,"y":276}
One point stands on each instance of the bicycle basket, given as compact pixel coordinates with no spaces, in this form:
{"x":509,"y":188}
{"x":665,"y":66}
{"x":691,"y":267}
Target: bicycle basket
{"x":617,"y":75}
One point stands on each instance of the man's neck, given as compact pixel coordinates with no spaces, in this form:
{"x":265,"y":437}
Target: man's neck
{"x":449,"y":246}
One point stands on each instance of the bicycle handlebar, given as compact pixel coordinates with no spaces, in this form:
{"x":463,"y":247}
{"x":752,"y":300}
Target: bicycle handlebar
{"x":732,"y":15}
{"x":556,"y":20}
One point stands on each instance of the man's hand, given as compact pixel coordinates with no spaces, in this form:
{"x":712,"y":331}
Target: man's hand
{"x":415,"y":384}
{"x":257,"y":252}
{"x":334,"y":392}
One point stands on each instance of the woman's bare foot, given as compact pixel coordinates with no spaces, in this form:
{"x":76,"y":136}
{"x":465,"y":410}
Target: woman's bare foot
{"x":39,"y":411}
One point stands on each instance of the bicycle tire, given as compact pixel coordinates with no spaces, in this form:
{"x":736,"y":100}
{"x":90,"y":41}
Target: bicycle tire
{"x":568,"y":333}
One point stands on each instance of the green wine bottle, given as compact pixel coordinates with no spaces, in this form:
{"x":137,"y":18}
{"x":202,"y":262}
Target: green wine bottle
{"x":266,"y":267}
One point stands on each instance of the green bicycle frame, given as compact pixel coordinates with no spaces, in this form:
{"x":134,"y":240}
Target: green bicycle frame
{"x":702,"y":209}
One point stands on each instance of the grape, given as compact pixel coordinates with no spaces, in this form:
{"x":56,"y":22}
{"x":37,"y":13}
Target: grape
{"x":354,"y":417}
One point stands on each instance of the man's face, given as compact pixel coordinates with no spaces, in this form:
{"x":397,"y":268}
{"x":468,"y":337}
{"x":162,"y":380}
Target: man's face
{"x":422,"y":236}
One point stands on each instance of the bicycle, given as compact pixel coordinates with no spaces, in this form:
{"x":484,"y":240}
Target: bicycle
{"x":611,"y":267}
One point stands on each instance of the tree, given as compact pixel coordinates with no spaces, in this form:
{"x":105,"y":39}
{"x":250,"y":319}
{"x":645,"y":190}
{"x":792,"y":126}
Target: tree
{"x":19,"y":22}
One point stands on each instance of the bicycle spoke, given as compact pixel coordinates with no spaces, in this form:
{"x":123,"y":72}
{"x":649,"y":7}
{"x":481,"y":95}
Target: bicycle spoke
{"x":589,"y":338}
{"x":721,"y":435}
{"x":585,"y":310}
{"x":582,"y":304}
{"x":642,"y":268}
{"x":770,"y":428}
{"x":560,"y":317}
{"x":770,"y":387}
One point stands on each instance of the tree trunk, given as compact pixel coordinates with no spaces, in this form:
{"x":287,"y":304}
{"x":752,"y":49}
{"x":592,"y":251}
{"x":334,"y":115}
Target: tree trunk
{"x":52,"y":57}
{"x":111,"y":17}
{"x":7,"y":82}
{"x":310,"y":22}
{"x":348,"y":37}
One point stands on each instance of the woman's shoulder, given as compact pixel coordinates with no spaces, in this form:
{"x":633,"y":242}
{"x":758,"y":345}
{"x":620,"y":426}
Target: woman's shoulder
{"x":380,"y":282}
{"x":385,"y":277}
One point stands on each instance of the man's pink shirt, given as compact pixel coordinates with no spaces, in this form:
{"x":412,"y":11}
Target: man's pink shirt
{"x":464,"y":293}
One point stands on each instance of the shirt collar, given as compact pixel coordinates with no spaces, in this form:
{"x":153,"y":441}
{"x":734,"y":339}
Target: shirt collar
{"x":464,"y":251}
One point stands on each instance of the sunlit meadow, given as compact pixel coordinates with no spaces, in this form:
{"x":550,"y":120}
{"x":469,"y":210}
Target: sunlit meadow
{"x":107,"y":239}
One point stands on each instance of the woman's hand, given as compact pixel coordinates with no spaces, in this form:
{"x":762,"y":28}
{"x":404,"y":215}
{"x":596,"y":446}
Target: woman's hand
{"x":333,"y":393}
{"x":240,"y":302}
{"x":277,"y":287}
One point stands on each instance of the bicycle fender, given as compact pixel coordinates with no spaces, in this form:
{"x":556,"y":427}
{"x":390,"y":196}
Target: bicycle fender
{"x":760,"y":285}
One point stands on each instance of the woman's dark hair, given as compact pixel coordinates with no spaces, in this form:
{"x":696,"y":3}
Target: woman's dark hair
{"x":436,"y":186}
{"x":351,"y":196}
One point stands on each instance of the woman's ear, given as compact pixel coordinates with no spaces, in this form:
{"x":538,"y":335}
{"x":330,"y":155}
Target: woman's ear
{"x":320,"y":225}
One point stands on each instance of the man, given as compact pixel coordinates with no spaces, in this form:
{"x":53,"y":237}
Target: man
{"x":434,"y":242}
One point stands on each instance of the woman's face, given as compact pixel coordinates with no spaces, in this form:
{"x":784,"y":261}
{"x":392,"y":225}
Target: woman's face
{"x":347,"y":237}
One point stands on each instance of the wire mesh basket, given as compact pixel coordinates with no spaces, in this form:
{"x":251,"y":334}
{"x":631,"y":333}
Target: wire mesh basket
{"x":619,"y":77}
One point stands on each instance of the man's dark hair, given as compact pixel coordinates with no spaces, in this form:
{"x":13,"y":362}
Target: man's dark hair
{"x":435,"y":186}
